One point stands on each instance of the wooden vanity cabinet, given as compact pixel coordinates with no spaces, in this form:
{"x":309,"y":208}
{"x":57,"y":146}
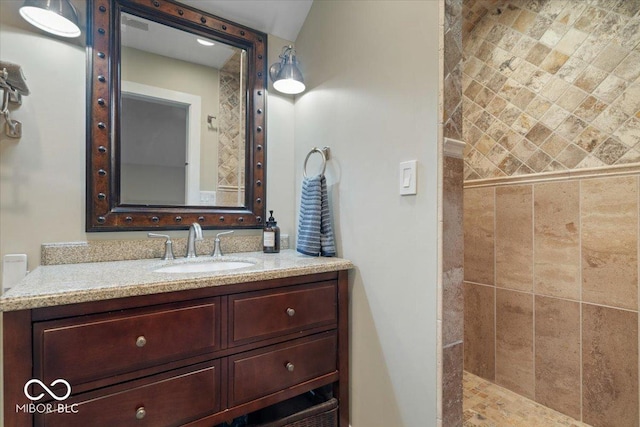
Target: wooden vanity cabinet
{"x":171,"y":398}
{"x":85,"y":348}
{"x":196,"y":357}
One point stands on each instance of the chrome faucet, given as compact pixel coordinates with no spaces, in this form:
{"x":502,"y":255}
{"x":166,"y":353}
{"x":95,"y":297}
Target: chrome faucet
{"x":195,"y":233}
{"x":168,"y":245}
{"x":217,"y":252}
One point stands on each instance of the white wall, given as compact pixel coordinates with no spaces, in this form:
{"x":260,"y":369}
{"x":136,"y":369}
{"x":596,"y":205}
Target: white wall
{"x":42,"y":175}
{"x":371,"y":69}
{"x":280,"y":150}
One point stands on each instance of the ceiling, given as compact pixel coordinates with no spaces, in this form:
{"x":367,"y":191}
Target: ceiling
{"x":282,"y":18}
{"x":149,"y":36}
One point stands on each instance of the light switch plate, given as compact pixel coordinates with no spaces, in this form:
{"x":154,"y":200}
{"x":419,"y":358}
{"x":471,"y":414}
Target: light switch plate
{"x":408,"y":177}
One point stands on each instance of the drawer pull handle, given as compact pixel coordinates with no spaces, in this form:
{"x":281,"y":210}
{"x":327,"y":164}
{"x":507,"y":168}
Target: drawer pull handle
{"x":289,"y":366}
{"x":141,"y":341}
{"x":291,"y":312}
{"x":140,"y":413}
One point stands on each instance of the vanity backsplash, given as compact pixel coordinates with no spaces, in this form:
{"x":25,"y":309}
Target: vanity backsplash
{"x":121,"y":250}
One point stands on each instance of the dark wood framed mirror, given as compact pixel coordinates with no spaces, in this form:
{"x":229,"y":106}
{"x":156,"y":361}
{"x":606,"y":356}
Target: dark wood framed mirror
{"x":176,"y":133}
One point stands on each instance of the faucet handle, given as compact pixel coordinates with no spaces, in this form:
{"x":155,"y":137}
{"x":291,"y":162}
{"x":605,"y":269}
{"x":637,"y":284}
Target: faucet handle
{"x":223,"y":233}
{"x":168,"y":245}
{"x":217,"y":251}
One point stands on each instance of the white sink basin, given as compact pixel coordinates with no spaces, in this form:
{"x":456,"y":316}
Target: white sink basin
{"x":203,"y":267}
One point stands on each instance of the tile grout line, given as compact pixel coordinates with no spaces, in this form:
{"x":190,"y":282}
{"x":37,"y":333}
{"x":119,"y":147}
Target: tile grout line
{"x":533,"y":287}
{"x":581,"y":373}
{"x":495,"y":290}
{"x":554,"y":297}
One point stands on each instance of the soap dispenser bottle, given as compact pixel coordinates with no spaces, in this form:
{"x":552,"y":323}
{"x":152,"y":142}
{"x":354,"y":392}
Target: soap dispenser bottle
{"x":271,"y":236}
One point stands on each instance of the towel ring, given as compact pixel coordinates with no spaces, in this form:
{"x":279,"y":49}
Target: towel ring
{"x":324,"y":152}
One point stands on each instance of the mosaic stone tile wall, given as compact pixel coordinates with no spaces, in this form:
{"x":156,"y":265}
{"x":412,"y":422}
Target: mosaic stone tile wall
{"x":452,"y":108}
{"x":550,"y":85}
{"x":231,"y":134}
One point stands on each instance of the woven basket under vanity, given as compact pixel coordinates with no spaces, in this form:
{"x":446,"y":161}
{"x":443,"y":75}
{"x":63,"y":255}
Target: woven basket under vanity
{"x":321,"y":415}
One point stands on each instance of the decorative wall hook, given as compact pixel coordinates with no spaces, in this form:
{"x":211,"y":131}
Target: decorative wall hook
{"x":14,"y":86}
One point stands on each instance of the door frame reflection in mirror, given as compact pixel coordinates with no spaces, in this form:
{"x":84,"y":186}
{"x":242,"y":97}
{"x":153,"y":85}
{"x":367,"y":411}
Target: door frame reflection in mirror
{"x":193,"y":104}
{"x":104,"y":210}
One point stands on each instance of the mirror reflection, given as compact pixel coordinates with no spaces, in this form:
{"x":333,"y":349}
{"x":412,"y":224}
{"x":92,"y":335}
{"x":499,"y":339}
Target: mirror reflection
{"x":182,"y":117}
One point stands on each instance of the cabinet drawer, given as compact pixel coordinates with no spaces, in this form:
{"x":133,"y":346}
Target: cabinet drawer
{"x":92,"y":347}
{"x":169,"y":401}
{"x":258,"y":373}
{"x":265,"y":314}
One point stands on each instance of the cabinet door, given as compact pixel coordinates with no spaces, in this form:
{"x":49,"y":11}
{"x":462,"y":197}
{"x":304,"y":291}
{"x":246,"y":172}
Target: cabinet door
{"x":170,"y":399}
{"x":259,"y":373}
{"x":264,"y":314}
{"x":86,"y":348}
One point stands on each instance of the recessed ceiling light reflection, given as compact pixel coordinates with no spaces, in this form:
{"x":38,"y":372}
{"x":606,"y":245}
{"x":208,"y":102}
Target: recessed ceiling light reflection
{"x":205,"y":42}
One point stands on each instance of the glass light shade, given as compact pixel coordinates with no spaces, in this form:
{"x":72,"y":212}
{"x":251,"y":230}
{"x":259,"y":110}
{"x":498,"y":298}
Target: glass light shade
{"x":53,"y":16}
{"x":289,"y":79}
{"x":289,"y":86}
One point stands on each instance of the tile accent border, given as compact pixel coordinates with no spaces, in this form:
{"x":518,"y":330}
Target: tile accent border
{"x":610,"y":171}
{"x":454,"y":148}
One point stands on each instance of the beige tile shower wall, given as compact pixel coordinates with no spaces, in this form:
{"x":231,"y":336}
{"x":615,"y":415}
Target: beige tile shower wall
{"x":450,"y":316}
{"x":452,"y":90}
{"x":551,"y":293}
{"x":452,"y":253}
{"x":557,"y":241}
{"x":514,"y":341}
{"x":479,"y":232}
{"x":557,"y":354}
{"x":610,"y":242}
{"x":231,"y":133}
{"x":513,"y":233}
{"x":550,"y":85}
{"x":610,"y":366}
{"x":452,"y":331}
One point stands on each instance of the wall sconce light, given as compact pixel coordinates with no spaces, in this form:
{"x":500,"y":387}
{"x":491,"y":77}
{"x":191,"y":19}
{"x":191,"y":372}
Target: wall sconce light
{"x":57,"y":17}
{"x":285,"y":74}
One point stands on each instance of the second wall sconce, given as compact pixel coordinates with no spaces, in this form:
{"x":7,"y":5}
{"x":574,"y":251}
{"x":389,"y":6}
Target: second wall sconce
{"x":285,"y":74}
{"x":57,"y":17}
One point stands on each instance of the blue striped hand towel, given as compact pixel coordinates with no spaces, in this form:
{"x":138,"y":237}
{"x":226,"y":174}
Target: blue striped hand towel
{"x":315,"y":234}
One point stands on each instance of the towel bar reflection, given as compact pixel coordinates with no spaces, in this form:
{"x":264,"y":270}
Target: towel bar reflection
{"x":13,"y":85}
{"x":324,"y":152}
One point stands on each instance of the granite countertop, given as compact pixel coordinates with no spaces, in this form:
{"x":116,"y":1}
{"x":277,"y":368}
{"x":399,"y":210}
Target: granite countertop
{"x":52,"y":285}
